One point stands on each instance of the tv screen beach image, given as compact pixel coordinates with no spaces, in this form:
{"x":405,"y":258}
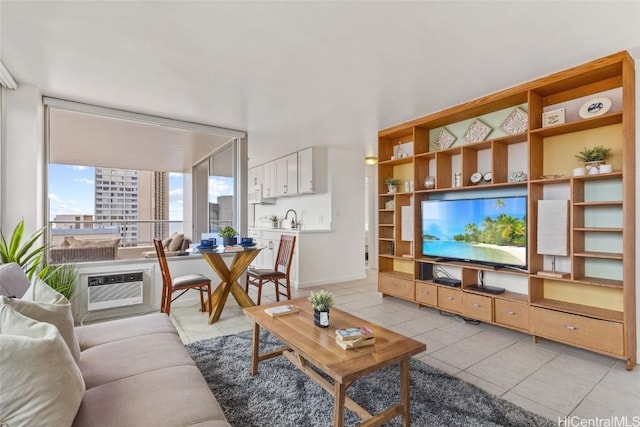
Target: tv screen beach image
{"x":491,"y":230}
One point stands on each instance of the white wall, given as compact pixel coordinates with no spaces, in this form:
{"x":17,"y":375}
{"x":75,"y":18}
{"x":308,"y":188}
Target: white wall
{"x":23,"y":159}
{"x":336,"y":256}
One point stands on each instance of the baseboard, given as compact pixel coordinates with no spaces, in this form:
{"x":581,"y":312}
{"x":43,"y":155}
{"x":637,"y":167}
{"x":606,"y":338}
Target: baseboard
{"x":329,"y":281}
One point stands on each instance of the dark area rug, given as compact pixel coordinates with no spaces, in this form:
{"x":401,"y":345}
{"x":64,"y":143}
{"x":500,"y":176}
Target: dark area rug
{"x":281,"y":395}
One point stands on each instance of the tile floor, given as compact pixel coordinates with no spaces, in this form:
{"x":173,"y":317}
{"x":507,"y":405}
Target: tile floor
{"x":548,"y":378}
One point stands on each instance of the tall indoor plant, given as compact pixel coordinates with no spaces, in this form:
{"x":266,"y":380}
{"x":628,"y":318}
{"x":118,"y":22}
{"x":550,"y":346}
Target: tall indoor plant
{"x":28,"y":255}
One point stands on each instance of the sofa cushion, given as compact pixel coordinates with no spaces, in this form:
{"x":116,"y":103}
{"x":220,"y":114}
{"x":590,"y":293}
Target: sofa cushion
{"x":72,"y":242}
{"x":40,"y":383}
{"x":176,"y":242}
{"x":13,"y":281}
{"x":115,"y":330}
{"x":177,"y":396}
{"x":124,"y":358}
{"x":44,"y":304}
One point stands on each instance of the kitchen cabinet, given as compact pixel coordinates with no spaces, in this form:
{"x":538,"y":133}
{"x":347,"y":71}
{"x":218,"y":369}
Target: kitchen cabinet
{"x":254,"y":176}
{"x":269,"y":179}
{"x":312,"y":170}
{"x":287,"y":175}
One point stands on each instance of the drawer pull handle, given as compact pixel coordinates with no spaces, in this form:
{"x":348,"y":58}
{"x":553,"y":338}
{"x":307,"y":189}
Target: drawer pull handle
{"x":425,"y":292}
{"x":451,"y":298}
{"x":513,"y":313}
{"x":573,"y":328}
{"x":476,"y":305}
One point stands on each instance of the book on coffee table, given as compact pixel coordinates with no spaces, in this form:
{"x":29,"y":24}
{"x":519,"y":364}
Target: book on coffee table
{"x":358,"y":342}
{"x":281,"y":310}
{"x":349,"y":334}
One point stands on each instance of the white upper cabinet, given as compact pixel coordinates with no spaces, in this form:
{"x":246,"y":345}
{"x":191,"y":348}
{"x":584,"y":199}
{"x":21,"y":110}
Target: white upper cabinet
{"x":269,"y":179}
{"x":254,"y":176}
{"x":287,"y":175}
{"x":312,"y":170}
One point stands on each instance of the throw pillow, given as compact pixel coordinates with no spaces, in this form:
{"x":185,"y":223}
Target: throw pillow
{"x":165,"y":242}
{"x":44,"y":304}
{"x":41,"y":383}
{"x":13,"y":281}
{"x":176,"y":243}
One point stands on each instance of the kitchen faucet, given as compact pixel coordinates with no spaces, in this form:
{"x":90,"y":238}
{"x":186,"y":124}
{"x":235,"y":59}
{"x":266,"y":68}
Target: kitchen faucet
{"x":294,"y":221}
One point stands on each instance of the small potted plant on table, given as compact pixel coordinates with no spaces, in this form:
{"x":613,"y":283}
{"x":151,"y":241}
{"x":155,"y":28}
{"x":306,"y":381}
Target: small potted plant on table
{"x":228,"y":235}
{"x":594,"y":157}
{"x":321,"y":302}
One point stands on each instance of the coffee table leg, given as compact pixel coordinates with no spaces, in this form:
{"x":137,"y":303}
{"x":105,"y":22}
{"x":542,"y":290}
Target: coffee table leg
{"x":405,"y":398}
{"x":256,"y":344}
{"x":339,"y":393}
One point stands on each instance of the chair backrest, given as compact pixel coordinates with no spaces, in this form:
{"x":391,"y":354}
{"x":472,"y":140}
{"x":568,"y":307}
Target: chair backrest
{"x":162,"y":259}
{"x":285,"y":253}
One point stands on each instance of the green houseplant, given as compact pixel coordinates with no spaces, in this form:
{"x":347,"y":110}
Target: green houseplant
{"x":392,"y":184}
{"x":274,"y":221}
{"x":27,"y":255}
{"x":62,"y":278}
{"x":228,"y":235}
{"x":321,"y":302}
{"x":594,"y":157}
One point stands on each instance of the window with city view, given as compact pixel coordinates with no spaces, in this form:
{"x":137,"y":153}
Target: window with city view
{"x":115,"y":184}
{"x":133,"y":205}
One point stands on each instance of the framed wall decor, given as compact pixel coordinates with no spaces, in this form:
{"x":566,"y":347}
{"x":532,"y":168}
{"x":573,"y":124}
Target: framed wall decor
{"x":552,"y":118}
{"x":517,"y":122}
{"x":444,"y":140}
{"x":477,"y":132}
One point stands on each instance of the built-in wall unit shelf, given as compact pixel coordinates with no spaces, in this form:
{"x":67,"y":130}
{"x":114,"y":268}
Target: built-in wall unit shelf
{"x":495,"y":219}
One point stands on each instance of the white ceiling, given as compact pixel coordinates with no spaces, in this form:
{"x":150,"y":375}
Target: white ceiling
{"x":296,"y":74}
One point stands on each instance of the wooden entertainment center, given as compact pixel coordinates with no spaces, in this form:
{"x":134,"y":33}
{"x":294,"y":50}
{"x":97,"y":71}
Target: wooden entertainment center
{"x":526,"y":138}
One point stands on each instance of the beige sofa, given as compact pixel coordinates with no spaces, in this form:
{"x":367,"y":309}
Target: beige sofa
{"x":127,"y":372}
{"x":138,"y":373}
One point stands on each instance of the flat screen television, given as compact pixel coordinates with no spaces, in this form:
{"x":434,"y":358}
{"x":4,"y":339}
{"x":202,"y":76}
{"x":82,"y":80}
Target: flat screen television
{"x":484,"y":230}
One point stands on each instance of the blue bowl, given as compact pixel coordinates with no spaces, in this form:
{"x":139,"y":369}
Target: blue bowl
{"x":206,"y":243}
{"x":246,"y":241}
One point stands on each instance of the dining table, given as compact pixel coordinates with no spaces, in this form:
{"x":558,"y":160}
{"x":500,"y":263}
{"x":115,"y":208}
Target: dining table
{"x":241,"y":258}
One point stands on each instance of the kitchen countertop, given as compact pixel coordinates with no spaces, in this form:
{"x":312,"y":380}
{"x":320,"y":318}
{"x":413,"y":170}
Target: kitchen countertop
{"x":294,"y":230}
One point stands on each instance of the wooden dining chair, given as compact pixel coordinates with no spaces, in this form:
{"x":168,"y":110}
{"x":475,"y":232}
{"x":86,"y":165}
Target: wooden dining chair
{"x":279,"y":276}
{"x":184,"y":283}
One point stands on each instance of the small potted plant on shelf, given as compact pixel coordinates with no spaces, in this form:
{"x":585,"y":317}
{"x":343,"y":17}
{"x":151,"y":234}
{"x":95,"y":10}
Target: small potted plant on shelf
{"x":594,"y":157}
{"x":392,"y":184}
{"x":228,"y":235}
{"x":274,"y":221}
{"x":321,"y":302}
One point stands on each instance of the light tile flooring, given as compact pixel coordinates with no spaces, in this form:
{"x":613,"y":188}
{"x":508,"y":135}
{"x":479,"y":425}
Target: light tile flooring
{"x":548,"y":378}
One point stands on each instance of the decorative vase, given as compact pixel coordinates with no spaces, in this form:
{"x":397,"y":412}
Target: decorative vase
{"x":392,"y":188}
{"x":430,"y":182}
{"x":229,"y":241}
{"x":593,"y":168}
{"x":321,"y":318}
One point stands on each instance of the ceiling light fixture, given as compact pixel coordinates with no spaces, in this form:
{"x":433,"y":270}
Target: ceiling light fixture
{"x":371,"y":160}
{"x":5,"y":78}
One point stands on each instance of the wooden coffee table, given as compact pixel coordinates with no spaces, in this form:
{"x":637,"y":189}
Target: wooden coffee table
{"x":306,"y":343}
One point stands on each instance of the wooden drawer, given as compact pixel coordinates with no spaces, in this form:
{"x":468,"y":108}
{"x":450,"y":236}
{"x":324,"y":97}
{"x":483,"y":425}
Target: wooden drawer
{"x":477,"y":307}
{"x":450,"y":299}
{"x":586,"y":332}
{"x":426,"y":294}
{"x":401,"y":288}
{"x":511,"y":313}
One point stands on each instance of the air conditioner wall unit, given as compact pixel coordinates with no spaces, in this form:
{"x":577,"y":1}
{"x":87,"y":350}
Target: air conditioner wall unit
{"x":114,"y":290}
